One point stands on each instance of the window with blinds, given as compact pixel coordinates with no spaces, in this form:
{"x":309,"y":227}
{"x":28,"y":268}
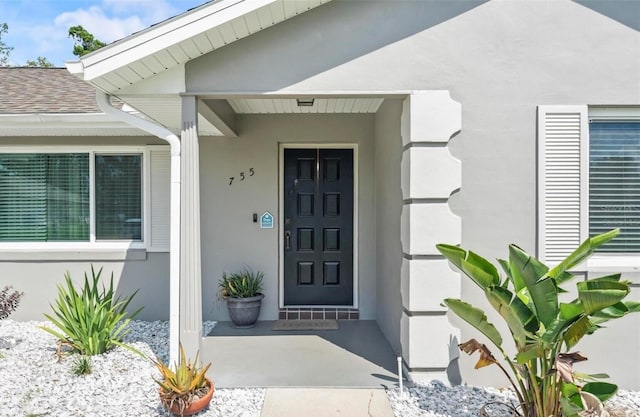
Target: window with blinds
{"x":614,"y":182}
{"x":44,"y":197}
{"x":118,"y":182}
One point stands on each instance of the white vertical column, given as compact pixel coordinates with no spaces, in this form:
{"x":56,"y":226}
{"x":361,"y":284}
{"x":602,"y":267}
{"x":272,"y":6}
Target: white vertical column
{"x":190,"y":259}
{"x":429,"y":175}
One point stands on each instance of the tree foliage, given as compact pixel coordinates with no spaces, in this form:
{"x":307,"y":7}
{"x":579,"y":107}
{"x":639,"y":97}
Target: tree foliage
{"x":4,"y":49}
{"x":85,"y":42}
{"x":41,"y":62}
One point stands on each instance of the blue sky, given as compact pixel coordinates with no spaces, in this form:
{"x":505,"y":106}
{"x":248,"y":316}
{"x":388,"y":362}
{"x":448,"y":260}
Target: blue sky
{"x":39,"y":27}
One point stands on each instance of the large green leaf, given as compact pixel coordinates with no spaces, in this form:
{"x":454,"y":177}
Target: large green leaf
{"x":613,"y":277}
{"x":525,"y":266}
{"x":564,"y":277}
{"x":533,"y":350}
{"x":582,"y":252}
{"x":454,"y":254}
{"x":577,"y":330}
{"x":543,"y":291}
{"x":602,"y":390}
{"x":598,"y":295}
{"x":613,"y":312}
{"x":514,"y":312}
{"x":544,"y":295}
{"x":481,"y":271}
{"x":571,"y":310}
{"x":506,"y":268}
{"x":486,"y":266}
{"x":475,"y":317}
{"x":572,"y":393}
{"x":554,"y":331}
{"x":480,"y":276}
{"x":633,"y":306}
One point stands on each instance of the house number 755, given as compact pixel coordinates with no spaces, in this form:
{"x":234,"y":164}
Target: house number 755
{"x":242,"y":176}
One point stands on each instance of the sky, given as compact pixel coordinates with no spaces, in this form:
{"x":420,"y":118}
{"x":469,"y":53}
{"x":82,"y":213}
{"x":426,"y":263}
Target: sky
{"x":40,"y":27}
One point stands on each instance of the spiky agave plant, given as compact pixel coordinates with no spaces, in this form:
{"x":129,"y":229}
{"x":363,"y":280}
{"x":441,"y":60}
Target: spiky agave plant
{"x":543,"y":329}
{"x":243,"y":284}
{"x":91,"y":320}
{"x":183,"y":384}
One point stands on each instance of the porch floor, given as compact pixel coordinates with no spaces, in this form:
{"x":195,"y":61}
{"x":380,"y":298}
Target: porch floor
{"x":355,"y":356}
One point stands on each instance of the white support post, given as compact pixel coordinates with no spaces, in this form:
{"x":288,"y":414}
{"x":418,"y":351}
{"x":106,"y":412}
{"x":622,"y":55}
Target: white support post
{"x":190,"y":259}
{"x":429,"y":175}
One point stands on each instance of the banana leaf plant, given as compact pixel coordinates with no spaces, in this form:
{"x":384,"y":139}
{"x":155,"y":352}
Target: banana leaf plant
{"x":544,"y":330}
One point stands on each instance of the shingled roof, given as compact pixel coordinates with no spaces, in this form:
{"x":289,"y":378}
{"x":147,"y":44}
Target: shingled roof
{"x":25,"y":90}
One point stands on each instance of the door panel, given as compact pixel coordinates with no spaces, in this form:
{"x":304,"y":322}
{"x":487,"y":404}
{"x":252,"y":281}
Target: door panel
{"x":318,"y":226}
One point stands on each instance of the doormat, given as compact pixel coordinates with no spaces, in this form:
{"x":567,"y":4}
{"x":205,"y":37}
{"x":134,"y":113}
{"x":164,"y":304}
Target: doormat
{"x":305,"y":325}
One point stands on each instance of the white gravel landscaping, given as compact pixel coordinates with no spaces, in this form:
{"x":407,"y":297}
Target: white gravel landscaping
{"x":33,"y":383}
{"x":438,"y":400}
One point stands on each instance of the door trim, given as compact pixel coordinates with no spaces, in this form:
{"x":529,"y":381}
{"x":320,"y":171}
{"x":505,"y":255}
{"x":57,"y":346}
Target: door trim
{"x":307,"y":145}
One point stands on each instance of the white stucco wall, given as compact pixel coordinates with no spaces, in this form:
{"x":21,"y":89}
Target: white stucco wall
{"x":230,"y":240}
{"x":39,"y":280}
{"x":499,"y":59}
{"x":388,"y":153}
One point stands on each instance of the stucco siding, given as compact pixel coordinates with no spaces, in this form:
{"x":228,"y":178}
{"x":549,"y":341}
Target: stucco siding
{"x":499,"y":59}
{"x":38,"y":281}
{"x":230,"y":239}
{"x":529,"y":54}
{"x":388,"y":210}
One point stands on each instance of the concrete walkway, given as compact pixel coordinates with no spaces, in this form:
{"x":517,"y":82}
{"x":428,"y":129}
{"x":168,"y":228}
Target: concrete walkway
{"x":325,"y":402}
{"x":320,"y":373}
{"x":355,"y":356}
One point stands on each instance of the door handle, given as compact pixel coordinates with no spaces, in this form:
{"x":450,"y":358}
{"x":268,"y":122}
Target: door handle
{"x":287,"y":240}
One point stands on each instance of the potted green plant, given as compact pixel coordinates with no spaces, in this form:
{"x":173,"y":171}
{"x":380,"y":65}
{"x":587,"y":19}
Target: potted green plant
{"x":243,"y":293}
{"x":185,"y":389}
{"x":543,"y":328}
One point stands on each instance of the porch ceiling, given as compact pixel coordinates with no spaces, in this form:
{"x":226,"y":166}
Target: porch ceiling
{"x":167,"y":109}
{"x":320,"y":105}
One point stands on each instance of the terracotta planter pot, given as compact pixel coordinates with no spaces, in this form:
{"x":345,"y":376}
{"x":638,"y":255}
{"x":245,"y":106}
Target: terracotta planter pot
{"x":197,"y":405}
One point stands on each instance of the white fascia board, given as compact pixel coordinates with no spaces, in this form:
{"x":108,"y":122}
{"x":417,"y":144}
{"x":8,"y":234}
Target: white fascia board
{"x":80,"y":118}
{"x":75,"y":67}
{"x":43,"y":121}
{"x":163,"y":35}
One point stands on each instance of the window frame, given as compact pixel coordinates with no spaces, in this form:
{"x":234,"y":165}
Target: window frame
{"x":92,"y":244}
{"x":604,"y":262}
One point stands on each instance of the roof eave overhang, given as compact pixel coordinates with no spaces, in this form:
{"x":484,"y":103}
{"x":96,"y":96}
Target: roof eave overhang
{"x":47,"y":123}
{"x":181,"y":39}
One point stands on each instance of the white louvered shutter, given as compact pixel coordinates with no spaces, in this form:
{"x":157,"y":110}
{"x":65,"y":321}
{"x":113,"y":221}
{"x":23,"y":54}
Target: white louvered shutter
{"x":562,"y":180}
{"x":160,"y":183}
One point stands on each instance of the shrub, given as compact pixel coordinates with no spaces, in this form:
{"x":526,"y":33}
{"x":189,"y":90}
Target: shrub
{"x":243,"y":284}
{"x":9,"y":301}
{"x":542,"y":328}
{"x":82,"y":365}
{"x":91,"y":321}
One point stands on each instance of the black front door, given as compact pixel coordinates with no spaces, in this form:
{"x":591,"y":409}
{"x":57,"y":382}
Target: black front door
{"x":318,"y":226}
